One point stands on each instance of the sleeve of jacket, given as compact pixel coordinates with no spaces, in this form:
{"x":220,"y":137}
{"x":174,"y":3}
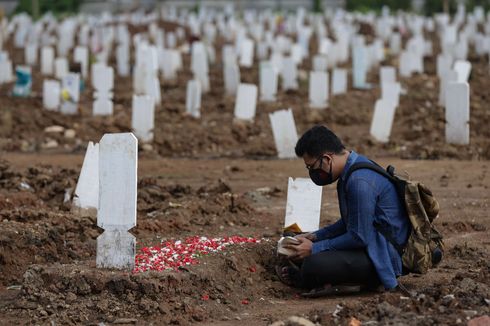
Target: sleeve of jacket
{"x":331,"y":231}
{"x":361,"y":205}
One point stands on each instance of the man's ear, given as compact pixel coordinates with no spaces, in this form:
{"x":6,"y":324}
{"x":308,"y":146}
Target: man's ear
{"x":327,"y":158}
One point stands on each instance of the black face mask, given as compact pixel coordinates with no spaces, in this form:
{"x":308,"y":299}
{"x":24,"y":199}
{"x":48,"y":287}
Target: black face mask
{"x":320,"y":177}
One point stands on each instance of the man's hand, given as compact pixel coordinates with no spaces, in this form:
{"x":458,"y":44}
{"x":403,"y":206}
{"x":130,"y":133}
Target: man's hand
{"x":310,"y":236}
{"x":301,"y":250}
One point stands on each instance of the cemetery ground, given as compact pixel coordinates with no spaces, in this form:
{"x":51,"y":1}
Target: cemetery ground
{"x":50,"y":252}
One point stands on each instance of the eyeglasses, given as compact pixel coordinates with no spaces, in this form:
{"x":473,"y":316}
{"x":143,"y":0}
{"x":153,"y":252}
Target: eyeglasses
{"x":320,"y":158}
{"x":310,"y":166}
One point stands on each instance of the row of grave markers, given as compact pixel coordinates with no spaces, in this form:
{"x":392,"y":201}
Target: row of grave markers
{"x":246,"y":45}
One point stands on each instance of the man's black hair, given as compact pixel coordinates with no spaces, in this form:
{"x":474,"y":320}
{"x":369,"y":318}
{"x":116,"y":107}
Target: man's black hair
{"x":317,"y":141}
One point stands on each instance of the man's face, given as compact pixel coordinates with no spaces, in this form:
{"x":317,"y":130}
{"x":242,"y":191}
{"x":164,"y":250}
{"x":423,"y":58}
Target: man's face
{"x":320,"y":169}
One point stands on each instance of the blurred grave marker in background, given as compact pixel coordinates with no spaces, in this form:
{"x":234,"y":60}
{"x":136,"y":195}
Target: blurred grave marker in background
{"x":318,"y":89}
{"x":246,"y":101}
{"x":51,"y":94}
{"x":458,"y":113}
{"x":284,"y":132}
{"x":103,"y":82}
{"x":143,"y":117}
{"x":193,"y":99}
{"x":339,"y":81}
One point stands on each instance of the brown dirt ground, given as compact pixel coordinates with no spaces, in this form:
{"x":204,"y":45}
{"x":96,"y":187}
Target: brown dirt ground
{"x":51,"y":251}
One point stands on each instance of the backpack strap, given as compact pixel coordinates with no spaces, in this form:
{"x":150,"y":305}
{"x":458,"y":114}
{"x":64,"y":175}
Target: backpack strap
{"x":389,"y":174}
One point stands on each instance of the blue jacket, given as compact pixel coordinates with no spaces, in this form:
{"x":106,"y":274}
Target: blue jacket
{"x":367,"y":197}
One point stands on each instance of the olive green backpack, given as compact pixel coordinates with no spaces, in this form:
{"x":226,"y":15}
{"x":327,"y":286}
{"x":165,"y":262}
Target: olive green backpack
{"x":424,"y":247}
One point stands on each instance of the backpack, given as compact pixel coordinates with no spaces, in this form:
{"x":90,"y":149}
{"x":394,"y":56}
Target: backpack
{"x":424,"y":247}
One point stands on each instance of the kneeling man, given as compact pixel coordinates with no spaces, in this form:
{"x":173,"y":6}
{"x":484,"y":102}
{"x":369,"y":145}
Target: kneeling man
{"x":351,"y":251}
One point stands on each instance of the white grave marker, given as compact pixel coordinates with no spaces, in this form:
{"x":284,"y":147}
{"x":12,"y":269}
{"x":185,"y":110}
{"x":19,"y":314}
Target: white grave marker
{"x":30,"y":54}
{"x":458,"y":113}
{"x":231,"y":78}
{"x":87,"y":190}
{"x":246,"y":101}
{"x":118,"y":164}
{"x":122,"y":59}
{"x":47,"y":60}
{"x":51,"y":94}
{"x":303,"y":206}
{"x":384,"y":113}
{"x":6,"y":72}
{"x":268,"y":82}
{"x":193,"y":98}
{"x":463,"y":69}
{"x":284,"y":132}
{"x":70,"y":93}
{"x":289,"y":74}
{"x":143,"y":117}
{"x":103,"y":82}
{"x":81,"y":56}
{"x":449,"y":77}
{"x":318,"y":89}
{"x":390,"y":91}
{"x":359,"y":66}
{"x":247,"y":53}
{"x":387,"y":74}
{"x":60,"y":68}
{"x":339,"y":81}
{"x":320,"y":63}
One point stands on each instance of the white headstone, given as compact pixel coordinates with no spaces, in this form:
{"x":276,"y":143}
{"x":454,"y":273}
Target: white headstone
{"x":406,"y":64}
{"x":246,"y":101}
{"x":103,"y":82}
{"x":60,"y":68}
{"x":359,"y":66}
{"x":87,"y":190}
{"x":289,"y":74}
{"x":193,"y":98}
{"x":30,"y":53}
{"x":390,"y":91}
{"x":81,"y":56}
{"x":51,"y":94}
{"x":284,"y":132}
{"x":339,"y":81}
{"x":6,"y":71}
{"x":247,"y":53}
{"x":268,"y":82}
{"x":450,"y":76}
{"x":395,"y":43}
{"x":122,"y":60}
{"x":387,"y":74}
{"x":262,"y":51}
{"x":231,"y":77}
{"x":384,"y":113}
{"x":444,"y":63}
{"x":47,"y":60}
{"x":303,"y":205}
{"x":318,"y":89}
{"x":143,"y":117}
{"x":70,"y":93}
{"x":463,"y":69}
{"x":320,"y":63}
{"x":458,"y":113}
{"x":118,"y":165}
